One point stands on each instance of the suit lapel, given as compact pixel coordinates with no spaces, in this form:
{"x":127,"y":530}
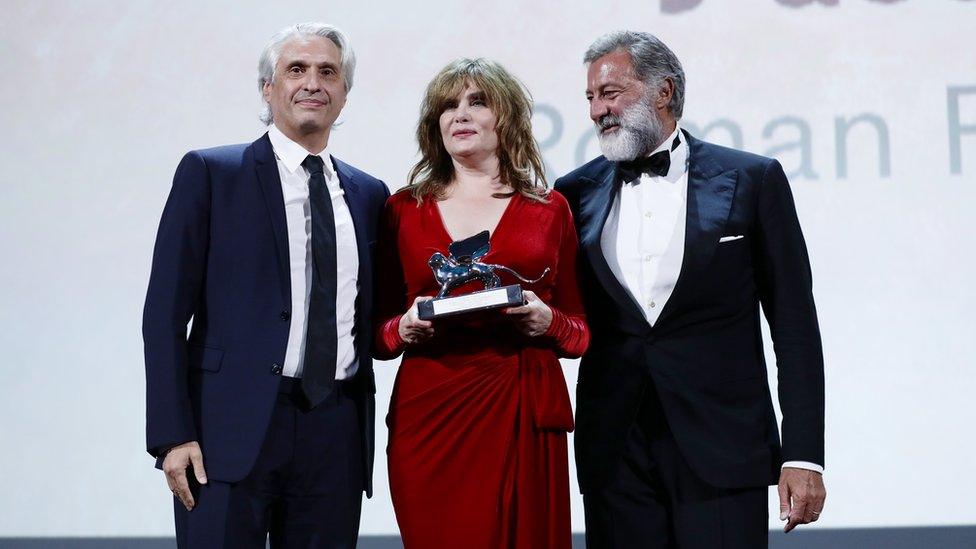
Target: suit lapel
{"x":358,"y":209}
{"x":270,"y":183}
{"x":358,"y":203}
{"x":596,"y":199}
{"x":710,"y":192}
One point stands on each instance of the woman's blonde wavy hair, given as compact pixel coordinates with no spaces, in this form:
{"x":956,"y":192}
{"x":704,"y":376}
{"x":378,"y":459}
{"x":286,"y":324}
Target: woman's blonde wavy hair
{"x":519,"y":161}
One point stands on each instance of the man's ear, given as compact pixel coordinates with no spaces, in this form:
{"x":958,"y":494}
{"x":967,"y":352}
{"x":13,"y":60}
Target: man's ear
{"x":266,"y":90}
{"x":664,"y":93}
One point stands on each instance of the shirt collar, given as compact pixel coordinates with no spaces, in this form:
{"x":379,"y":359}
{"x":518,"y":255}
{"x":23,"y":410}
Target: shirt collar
{"x":291,"y":154}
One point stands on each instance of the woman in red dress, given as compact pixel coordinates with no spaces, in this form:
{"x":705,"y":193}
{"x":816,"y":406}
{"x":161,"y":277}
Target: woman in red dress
{"x":480,"y":411}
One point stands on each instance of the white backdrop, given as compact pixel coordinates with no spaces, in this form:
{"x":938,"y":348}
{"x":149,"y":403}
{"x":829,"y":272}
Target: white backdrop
{"x":100,"y":100}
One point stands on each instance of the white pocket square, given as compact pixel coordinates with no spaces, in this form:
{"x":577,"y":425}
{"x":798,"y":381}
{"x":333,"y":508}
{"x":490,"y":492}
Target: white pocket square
{"x":730,"y":238}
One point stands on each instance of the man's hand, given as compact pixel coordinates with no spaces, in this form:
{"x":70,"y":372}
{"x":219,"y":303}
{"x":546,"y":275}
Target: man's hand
{"x":533,"y":318}
{"x":175,"y":464}
{"x":801,"y":496}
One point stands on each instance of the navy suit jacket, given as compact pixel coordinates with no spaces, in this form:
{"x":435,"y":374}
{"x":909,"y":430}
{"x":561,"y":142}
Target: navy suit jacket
{"x":221,"y":259}
{"x":704,"y":354}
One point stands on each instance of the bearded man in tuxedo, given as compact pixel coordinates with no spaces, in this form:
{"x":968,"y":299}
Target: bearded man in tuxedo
{"x":683,"y":243}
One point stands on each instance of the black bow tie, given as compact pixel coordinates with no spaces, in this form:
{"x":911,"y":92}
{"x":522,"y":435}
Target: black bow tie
{"x":657,"y":164}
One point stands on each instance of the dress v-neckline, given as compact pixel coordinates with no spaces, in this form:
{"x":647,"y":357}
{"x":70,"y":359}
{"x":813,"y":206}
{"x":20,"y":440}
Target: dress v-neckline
{"x":492,"y":232}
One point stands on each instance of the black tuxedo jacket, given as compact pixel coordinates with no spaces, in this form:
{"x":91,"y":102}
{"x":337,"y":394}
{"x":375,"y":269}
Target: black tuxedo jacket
{"x":704,"y":355}
{"x":221,"y":258}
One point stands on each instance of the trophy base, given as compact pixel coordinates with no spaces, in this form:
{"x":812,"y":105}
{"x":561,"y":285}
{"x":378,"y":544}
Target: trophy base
{"x":506,"y":296}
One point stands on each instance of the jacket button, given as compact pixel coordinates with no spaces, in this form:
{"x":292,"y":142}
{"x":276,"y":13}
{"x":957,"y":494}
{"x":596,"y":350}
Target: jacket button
{"x":285,"y":315}
{"x":276,"y":368}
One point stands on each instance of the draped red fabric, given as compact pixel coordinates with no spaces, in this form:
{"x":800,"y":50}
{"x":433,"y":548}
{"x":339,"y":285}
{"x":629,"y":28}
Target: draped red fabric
{"x":479,"y":413}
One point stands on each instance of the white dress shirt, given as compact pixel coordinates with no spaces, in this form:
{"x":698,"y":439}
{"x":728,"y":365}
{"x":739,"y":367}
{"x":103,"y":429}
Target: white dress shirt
{"x":298,"y":215}
{"x":644,"y":238}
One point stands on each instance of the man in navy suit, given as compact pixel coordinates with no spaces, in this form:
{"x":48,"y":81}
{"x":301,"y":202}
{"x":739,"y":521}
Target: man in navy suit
{"x":262,"y":418}
{"x":682,"y":243}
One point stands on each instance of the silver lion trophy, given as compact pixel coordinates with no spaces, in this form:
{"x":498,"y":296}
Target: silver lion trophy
{"x":462,"y":265}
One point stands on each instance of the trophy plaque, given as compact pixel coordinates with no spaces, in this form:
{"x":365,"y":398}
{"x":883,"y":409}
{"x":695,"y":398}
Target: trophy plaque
{"x":462,"y":265}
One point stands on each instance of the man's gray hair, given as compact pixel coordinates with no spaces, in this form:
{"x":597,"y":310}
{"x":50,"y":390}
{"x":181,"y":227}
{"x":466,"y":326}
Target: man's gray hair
{"x":269,"y":57}
{"x":653,"y":61}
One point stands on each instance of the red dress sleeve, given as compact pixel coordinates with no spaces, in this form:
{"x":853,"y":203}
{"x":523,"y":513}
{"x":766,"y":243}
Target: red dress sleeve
{"x":568,"y":332}
{"x":391,"y":290}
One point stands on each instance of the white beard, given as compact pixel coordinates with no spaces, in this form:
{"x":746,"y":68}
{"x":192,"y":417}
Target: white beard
{"x":639,"y":131}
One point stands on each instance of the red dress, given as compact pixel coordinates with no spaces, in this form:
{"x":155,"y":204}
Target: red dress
{"x":479,"y":413}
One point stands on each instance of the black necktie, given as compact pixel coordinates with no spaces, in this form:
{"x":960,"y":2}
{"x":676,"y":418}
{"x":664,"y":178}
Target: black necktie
{"x":318,"y":375}
{"x":657,"y":164}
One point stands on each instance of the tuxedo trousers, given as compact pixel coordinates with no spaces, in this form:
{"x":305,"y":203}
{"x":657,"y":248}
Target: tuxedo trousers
{"x":305,"y":489}
{"x":655,"y":500}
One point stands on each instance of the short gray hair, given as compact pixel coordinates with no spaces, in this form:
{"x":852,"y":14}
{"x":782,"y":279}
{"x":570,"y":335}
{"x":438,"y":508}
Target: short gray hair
{"x":269,"y":57}
{"x":653,"y":61}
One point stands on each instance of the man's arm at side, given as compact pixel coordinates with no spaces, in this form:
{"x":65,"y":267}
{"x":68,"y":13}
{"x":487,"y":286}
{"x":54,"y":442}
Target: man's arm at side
{"x":178,"y":267}
{"x":786,"y":292}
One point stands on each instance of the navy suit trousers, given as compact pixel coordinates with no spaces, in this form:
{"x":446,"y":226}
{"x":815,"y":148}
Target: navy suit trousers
{"x":305,"y":490}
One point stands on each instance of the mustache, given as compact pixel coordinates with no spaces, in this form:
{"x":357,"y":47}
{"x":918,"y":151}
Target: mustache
{"x":302,"y":96}
{"x":607,"y":121}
